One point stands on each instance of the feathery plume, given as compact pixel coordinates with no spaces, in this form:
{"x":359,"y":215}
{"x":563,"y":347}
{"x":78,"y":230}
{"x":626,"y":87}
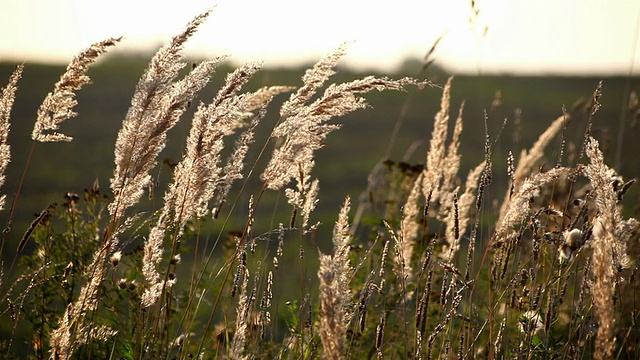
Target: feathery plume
{"x":518,"y":207}
{"x":259,"y":98}
{"x":198,"y":177}
{"x":57,"y":106}
{"x":435,"y":156}
{"x":242,"y":321}
{"x":450,"y":166}
{"x":335,"y":296}
{"x":452,"y":222}
{"x":304,"y":197}
{"x":156,"y":106}
{"x":152,"y":255}
{"x":452,"y":160}
{"x":6,"y":103}
{"x":610,"y":234}
{"x":442,"y":165}
{"x":332,"y":326}
{"x":341,"y":239}
{"x":409,"y":224}
{"x":530,"y":159}
{"x":305,"y":127}
{"x":449,"y":210}
{"x":71,"y":331}
{"x":251,"y":102}
{"x":199,"y":173}
{"x":312,"y":80}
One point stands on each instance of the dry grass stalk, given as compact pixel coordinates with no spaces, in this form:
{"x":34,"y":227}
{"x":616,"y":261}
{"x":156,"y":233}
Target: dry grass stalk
{"x":335,"y":296}
{"x":71,"y":332}
{"x":452,"y":159}
{"x":27,"y":234}
{"x":399,"y":260}
{"x":304,"y":197}
{"x":242,"y":321}
{"x":265,"y":302}
{"x":57,"y":106}
{"x":610,"y":234}
{"x":312,"y":80}
{"x":529,"y":160}
{"x":519,"y":206}
{"x":497,"y":345}
{"x":409,"y":226}
{"x":199,"y":176}
{"x":467,"y":199}
{"x":6,"y":103}
{"x":437,"y":149}
{"x":304,"y":127}
{"x":465,"y":204}
{"x":452,"y":231}
{"x":443,"y":324}
{"x":380,"y":333}
{"x":199,"y":173}
{"x":156,"y":106}
{"x":255,"y":102}
{"x":152,"y":255}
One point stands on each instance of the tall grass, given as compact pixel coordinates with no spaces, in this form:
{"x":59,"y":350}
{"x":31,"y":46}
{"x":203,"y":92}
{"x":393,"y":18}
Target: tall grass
{"x":552,"y":274}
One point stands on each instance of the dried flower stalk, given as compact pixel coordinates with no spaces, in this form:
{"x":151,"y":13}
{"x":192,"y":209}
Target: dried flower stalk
{"x":435,"y":156}
{"x":530,"y":159}
{"x":519,"y":206}
{"x":198,"y":177}
{"x":6,"y":103}
{"x":155,"y":108}
{"x":304,"y":127}
{"x":610,"y":235}
{"x":409,"y":226}
{"x":335,"y":296}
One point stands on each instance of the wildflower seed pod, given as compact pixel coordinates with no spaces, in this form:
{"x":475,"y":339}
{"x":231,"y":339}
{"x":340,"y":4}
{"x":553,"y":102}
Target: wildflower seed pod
{"x":115,"y":258}
{"x":132,"y":286}
{"x":122,"y":284}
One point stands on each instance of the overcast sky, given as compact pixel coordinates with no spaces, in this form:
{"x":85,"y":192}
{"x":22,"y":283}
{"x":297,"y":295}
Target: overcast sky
{"x":531,"y":36}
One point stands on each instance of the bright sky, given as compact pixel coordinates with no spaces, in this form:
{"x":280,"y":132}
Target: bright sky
{"x":531,"y":36}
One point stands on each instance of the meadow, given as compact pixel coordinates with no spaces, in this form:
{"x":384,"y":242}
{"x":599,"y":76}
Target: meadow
{"x":504,"y":236}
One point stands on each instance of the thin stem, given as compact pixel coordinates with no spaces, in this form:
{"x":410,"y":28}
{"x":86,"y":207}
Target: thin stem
{"x":7,"y":228}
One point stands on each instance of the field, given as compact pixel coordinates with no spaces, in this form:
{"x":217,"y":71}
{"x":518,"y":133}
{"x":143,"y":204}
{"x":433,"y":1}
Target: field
{"x":240,"y":212}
